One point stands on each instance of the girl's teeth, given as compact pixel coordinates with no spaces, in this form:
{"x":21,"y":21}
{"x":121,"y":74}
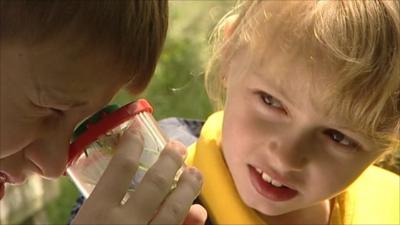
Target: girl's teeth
{"x":276,"y":184}
{"x":258,"y":171}
{"x":266,"y":177}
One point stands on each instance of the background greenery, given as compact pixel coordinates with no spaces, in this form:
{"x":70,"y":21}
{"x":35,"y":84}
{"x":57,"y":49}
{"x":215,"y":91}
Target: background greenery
{"x":177,"y":86}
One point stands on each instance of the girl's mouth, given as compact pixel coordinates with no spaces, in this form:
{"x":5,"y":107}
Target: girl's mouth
{"x":270,"y":188}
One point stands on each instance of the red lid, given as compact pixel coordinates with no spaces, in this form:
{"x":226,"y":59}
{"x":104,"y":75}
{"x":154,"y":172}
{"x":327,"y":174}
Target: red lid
{"x":105,"y":124}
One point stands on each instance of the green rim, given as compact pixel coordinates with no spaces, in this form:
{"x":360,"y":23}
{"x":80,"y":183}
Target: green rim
{"x":93,"y":119}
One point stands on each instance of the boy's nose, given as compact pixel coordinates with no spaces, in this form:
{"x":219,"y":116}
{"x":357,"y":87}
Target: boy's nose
{"x":50,"y":161}
{"x":50,"y":154}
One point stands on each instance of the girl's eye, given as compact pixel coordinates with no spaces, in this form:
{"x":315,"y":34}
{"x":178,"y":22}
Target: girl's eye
{"x":272,"y":102}
{"x":340,"y":138}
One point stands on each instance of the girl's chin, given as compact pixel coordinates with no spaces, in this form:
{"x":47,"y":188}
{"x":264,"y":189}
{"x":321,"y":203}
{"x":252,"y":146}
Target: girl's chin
{"x":265,"y":207}
{"x":266,"y":212}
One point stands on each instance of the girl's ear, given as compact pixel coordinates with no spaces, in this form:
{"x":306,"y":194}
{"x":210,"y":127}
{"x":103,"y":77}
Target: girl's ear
{"x":229,"y":26}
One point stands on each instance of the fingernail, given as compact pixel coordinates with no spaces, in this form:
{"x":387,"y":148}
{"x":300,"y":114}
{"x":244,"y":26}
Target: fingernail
{"x":195,"y":173}
{"x":183,"y":152}
{"x":180,"y":148}
{"x":132,"y":134}
{"x":133,"y":130}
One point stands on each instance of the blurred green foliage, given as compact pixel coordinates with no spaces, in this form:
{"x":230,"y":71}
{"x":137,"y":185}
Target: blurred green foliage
{"x":59,"y":211}
{"x":177,"y":87}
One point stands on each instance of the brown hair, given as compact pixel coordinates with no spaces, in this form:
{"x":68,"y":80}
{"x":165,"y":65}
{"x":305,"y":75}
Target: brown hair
{"x":360,"y":39}
{"x":134,"y":30}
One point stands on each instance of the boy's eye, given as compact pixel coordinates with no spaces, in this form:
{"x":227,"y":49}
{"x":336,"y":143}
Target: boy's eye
{"x":340,"y":138}
{"x":45,"y":110}
{"x":57,"y":111}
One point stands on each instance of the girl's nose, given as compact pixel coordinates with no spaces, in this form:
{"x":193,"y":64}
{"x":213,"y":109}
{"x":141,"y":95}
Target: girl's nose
{"x":289,"y":154}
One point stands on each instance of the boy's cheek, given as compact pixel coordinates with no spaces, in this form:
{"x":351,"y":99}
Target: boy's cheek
{"x":13,"y":141}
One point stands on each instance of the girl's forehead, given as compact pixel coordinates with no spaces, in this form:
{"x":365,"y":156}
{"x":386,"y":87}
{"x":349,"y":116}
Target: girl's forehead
{"x":280,"y":37}
{"x":293,"y":70}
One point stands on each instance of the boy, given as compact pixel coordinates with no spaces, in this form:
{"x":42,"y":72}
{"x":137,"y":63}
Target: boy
{"x":61,"y":61}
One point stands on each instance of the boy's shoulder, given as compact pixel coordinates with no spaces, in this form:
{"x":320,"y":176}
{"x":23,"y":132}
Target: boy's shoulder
{"x":375,"y":197}
{"x":184,"y":130}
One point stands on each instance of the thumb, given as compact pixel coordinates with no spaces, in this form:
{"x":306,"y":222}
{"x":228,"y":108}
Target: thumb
{"x":197,"y":215}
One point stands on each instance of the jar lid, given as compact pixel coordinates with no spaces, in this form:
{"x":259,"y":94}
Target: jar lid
{"x":102,"y":122}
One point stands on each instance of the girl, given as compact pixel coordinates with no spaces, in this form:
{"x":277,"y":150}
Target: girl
{"x":310,"y":98}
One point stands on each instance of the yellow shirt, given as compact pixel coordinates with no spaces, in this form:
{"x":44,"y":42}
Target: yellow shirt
{"x":372,"y":199}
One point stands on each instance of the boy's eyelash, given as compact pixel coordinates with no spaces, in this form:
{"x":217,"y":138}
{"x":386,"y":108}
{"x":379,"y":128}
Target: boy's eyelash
{"x":57,"y":111}
{"x":46,"y":109}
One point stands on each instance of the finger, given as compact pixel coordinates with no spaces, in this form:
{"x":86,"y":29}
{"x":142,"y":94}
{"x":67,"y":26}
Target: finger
{"x":197,"y":215}
{"x":115,"y":181}
{"x":157,"y":182}
{"x":177,"y":204}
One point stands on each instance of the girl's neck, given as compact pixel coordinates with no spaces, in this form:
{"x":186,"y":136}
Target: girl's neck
{"x":318,"y":214}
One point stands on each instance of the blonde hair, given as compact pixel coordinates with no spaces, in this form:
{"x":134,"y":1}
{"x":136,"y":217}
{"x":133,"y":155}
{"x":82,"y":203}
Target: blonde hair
{"x":134,"y":30}
{"x":360,"y":39}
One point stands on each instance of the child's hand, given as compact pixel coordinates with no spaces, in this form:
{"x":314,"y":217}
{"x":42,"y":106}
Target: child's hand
{"x":152,"y":202}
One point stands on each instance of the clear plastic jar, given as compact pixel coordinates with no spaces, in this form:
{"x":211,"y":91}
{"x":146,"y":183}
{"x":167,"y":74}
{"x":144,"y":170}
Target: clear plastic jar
{"x":96,"y":139}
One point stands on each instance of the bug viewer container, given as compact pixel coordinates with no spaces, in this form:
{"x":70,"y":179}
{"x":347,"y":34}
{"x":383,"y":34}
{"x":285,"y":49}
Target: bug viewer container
{"x":94,"y":143}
